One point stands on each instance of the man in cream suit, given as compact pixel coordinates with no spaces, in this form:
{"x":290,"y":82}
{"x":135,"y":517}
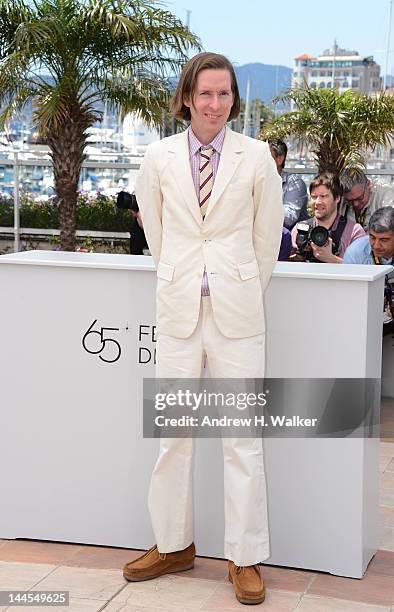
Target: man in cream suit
{"x":211,"y":204}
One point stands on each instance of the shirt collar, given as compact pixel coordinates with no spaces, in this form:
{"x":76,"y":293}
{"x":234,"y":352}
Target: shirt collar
{"x":335,"y":222}
{"x":195,"y":145}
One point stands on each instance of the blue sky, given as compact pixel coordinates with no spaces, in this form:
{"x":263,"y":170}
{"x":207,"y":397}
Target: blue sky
{"x":274,"y":32}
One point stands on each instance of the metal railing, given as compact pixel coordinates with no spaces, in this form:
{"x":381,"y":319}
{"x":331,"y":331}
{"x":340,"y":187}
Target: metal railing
{"x":17,"y":163}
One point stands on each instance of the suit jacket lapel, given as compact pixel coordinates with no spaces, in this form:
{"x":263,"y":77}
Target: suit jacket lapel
{"x":230,"y":157}
{"x":182,"y":174}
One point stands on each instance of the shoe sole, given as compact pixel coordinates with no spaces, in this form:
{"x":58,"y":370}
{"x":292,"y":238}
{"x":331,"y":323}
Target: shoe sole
{"x":170,"y":571}
{"x":248,"y":602}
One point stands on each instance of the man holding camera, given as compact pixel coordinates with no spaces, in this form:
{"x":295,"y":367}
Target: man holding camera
{"x":378,"y":248}
{"x":325,"y":236}
{"x":362,"y":197}
{"x":138,"y":243}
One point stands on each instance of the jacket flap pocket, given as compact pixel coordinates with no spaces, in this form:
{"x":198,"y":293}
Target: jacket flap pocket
{"x":249,"y":269}
{"x":165,"y":271}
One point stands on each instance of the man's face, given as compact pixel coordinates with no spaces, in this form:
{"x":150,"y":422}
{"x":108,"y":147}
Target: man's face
{"x":324,"y":205}
{"x":211,"y":104}
{"x":382,"y":243}
{"x":358,"y":196}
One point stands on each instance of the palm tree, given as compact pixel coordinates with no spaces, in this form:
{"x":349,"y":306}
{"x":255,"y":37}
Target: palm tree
{"x":337,"y":127}
{"x":65,"y":56}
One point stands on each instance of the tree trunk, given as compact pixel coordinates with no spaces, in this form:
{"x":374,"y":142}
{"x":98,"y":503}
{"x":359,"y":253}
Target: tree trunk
{"x":67,"y":142}
{"x":329,"y":158}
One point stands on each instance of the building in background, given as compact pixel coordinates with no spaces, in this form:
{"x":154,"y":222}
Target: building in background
{"x":339,"y":68}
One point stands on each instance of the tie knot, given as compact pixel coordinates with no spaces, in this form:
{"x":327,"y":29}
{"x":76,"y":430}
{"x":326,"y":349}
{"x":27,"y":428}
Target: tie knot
{"x":206,"y":152}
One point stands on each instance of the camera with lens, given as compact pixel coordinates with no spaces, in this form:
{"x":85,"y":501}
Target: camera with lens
{"x":306,"y":234}
{"x":127,"y":201}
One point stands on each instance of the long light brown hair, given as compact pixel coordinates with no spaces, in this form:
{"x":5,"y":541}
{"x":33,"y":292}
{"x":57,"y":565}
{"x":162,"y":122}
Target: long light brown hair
{"x":188,"y":81}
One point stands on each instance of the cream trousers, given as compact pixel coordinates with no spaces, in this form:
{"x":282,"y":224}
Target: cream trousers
{"x":170,"y":495}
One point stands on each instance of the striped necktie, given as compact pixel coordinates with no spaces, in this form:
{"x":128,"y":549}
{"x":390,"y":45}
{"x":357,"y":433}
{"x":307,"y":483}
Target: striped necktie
{"x":206,"y":178}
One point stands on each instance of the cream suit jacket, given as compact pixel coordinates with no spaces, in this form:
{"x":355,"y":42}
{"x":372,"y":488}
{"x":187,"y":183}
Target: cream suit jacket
{"x":237,"y":242}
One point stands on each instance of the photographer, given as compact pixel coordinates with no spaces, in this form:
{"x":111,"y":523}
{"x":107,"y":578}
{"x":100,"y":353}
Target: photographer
{"x":324,"y":237}
{"x":362,"y":197}
{"x":138,"y":244}
{"x":295,"y":195}
{"x":378,"y":249}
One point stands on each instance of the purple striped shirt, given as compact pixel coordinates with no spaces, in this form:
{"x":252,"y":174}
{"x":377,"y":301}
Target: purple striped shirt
{"x":194,"y":151}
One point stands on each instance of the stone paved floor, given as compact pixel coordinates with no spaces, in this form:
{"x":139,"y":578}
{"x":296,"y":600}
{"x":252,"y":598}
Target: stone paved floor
{"x":93,"y":575}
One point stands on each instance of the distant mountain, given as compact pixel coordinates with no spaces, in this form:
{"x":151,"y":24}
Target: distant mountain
{"x":266,"y":81}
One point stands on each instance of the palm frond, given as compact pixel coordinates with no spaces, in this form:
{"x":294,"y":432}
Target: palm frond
{"x":34,"y":35}
{"x":16,"y":105}
{"x":13,"y":75}
{"x":337,"y":127}
{"x":12,"y":14}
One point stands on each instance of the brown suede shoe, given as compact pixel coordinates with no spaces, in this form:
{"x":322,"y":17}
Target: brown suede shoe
{"x":153,"y":564}
{"x":247,"y":582}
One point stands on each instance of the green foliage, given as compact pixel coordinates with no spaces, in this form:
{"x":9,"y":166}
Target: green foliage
{"x":102,"y":215}
{"x":95,"y":50}
{"x":6,"y":211}
{"x":45,"y":214}
{"x":99,"y":214}
{"x":337,"y":127}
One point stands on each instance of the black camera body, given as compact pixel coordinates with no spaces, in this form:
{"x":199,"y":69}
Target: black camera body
{"x":127,"y":201}
{"x":306,"y":234}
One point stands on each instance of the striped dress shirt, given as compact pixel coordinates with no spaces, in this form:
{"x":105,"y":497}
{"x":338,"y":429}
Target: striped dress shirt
{"x":194,"y":153}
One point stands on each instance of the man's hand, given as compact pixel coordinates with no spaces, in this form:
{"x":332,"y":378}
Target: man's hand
{"x":296,"y":257}
{"x":325,"y":253}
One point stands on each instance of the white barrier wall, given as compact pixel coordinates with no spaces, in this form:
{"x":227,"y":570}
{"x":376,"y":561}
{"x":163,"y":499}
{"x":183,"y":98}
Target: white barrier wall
{"x":77,"y":338}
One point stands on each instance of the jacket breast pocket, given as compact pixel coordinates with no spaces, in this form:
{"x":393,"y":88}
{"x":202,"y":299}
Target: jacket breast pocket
{"x":165,"y":271}
{"x":247,"y":270}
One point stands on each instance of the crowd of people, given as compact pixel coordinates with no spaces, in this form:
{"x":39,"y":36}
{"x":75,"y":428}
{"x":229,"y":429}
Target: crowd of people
{"x":352,"y":222}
